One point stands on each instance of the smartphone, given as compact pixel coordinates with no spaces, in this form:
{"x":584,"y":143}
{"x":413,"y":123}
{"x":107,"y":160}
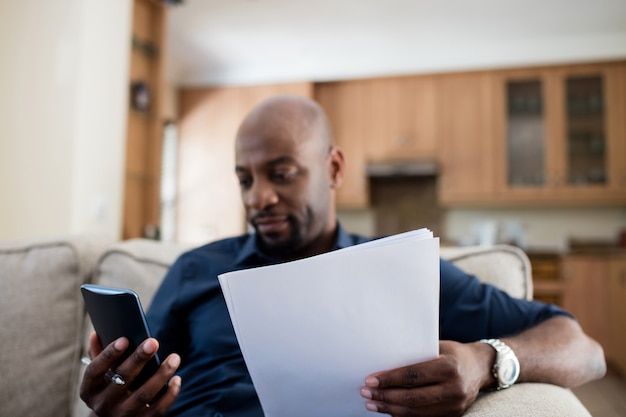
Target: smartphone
{"x":117,"y":312}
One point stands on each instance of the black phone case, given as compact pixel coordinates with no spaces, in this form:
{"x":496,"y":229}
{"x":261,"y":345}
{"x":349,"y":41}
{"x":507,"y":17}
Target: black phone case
{"x":117,"y":312}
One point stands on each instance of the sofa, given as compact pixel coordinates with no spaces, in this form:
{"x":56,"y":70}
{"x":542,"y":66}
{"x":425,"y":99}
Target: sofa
{"x":44,"y":328}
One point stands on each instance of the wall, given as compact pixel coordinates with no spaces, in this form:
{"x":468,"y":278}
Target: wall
{"x":544,"y":229}
{"x":62,"y":116}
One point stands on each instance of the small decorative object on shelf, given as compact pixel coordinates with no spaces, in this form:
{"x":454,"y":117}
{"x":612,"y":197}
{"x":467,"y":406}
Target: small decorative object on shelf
{"x":140,"y":96}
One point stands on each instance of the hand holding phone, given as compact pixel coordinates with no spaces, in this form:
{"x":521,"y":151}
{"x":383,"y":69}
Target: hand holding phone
{"x":117,"y":312}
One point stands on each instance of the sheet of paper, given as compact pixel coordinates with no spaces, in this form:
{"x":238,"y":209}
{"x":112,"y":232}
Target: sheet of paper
{"x":311,"y":330}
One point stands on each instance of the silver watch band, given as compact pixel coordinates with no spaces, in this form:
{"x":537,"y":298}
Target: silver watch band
{"x":506,"y":366}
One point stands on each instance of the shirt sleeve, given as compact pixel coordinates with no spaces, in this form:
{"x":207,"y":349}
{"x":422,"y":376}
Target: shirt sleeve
{"x":471,"y":310}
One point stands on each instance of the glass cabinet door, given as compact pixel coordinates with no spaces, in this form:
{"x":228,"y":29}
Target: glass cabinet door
{"x":585,"y":131}
{"x":525,"y":132}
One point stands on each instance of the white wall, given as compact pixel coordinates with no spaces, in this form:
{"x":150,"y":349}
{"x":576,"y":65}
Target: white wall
{"x":544,"y":229}
{"x":63,"y":84}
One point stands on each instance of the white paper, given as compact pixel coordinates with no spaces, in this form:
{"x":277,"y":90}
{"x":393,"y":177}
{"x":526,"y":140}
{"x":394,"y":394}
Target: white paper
{"x":311,"y":330}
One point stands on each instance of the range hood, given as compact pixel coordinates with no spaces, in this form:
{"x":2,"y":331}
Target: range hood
{"x":402,"y":168}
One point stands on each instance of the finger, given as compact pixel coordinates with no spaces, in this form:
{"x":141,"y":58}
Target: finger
{"x":94,"y":376}
{"x":425,"y":373}
{"x":409,"y":397}
{"x":130,"y":368}
{"x":163,"y":404}
{"x":146,"y":394}
{"x":427,"y":411}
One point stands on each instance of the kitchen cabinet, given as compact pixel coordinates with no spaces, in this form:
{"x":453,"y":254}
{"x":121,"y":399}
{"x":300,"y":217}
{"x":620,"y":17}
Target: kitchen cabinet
{"x":559,"y":135}
{"x":344,"y":105}
{"x":617,"y":318}
{"x":586,"y":294}
{"x":594,"y":290}
{"x":547,"y":277}
{"x":546,"y":136}
{"x":465,"y":148}
{"x":374,"y":120}
{"x":399,"y":116}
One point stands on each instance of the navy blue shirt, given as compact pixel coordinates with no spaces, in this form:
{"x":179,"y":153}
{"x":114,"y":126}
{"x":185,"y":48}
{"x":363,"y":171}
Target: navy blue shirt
{"x":188,"y":315}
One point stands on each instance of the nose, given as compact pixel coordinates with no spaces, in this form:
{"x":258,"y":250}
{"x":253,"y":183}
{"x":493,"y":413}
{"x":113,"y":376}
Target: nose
{"x":260,"y":195}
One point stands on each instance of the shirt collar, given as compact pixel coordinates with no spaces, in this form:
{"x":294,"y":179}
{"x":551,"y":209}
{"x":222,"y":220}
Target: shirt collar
{"x":251,"y":255}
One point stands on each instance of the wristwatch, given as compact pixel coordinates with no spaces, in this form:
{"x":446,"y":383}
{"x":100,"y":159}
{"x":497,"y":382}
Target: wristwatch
{"x":506,"y":367}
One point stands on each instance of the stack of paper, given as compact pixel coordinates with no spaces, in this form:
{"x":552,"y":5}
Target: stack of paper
{"x":311,"y":330}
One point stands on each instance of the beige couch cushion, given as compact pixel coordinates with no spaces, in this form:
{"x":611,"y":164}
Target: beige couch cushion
{"x":528,"y":400}
{"x":41,"y":322}
{"x":138,"y":264}
{"x":507,"y":267}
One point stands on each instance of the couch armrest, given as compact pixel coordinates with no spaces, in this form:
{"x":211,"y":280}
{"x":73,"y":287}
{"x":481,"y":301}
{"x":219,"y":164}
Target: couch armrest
{"x":505,"y":266}
{"x":528,"y":400}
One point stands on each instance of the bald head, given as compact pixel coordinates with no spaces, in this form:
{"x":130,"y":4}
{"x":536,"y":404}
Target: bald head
{"x":298,"y":117}
{"x":288,"y":172}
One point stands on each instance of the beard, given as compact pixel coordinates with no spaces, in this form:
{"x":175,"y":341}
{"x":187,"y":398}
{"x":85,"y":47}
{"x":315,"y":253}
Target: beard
{"x":288,"y":247}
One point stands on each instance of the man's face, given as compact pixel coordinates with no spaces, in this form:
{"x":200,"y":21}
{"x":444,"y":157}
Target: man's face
{"x":285,"y":186}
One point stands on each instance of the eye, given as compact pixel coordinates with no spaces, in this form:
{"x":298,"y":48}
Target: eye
{"x":284,"y":175}
{"x":245,"y":181}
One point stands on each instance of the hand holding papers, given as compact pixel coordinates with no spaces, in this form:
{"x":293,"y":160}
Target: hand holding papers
{"x":311,"y":330}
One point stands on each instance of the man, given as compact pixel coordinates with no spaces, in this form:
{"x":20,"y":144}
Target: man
{"x":289,"y":170}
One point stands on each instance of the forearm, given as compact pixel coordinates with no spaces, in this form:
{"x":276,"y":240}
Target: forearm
{"x":557,"y":351}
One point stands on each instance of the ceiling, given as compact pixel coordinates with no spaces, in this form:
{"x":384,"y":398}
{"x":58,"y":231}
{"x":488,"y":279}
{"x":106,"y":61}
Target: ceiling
{"x":243,"y":42}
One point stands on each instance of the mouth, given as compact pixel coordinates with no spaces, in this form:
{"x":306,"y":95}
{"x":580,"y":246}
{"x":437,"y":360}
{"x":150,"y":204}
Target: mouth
{"x":271,"y":224}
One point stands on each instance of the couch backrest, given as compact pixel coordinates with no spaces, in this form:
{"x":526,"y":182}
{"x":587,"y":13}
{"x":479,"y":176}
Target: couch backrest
{"x":41,"y":322}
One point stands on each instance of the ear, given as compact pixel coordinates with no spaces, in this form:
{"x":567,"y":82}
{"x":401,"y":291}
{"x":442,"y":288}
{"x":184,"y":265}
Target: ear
{"x":336,"y":167}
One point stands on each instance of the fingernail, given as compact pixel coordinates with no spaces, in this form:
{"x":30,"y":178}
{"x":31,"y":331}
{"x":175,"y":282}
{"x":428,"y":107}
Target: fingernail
{"x":174,"y":361}
{"x":371,"y":406}
{"x":175,"y":382}
{"x":372,"y":381}
{"x":366,"y":393}
{"x":120,"y":344}
{"x":149,"y":347}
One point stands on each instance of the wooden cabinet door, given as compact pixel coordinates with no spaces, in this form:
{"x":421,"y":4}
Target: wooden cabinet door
{"x":590,"y":134}
{"x":400,"y":114}
{"x":570,"y":145}
{"x":344,"y":105}
{"x":617,"y":148}
{"x":466,"y":148}
{"x":616,"y":351}
{"x":586,"y":294}
{"x":527,"y":138}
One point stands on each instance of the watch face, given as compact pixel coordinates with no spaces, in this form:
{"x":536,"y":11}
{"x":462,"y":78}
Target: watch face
{"x":508,"y":371}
